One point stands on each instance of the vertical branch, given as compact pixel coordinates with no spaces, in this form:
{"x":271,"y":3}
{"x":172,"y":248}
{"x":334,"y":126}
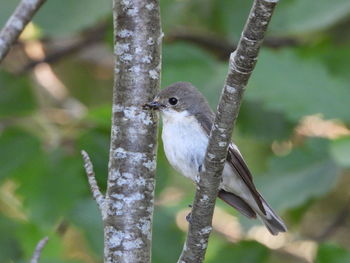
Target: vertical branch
{"x":16,"y":24}
{"x":131,"y":179}
{"x":242,"y":63}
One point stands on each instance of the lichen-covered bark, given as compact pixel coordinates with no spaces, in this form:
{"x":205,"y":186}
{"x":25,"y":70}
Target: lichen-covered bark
{"x":242,"y":63}
{"x":129,"y":199}
{"x":16,"y":24}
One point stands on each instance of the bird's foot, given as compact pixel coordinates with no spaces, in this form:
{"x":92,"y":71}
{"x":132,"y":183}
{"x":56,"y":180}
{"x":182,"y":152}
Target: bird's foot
{"x":189,"y":216}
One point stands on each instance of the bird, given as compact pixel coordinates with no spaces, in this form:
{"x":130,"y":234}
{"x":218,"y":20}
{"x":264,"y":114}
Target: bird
{"x":187,"y":121}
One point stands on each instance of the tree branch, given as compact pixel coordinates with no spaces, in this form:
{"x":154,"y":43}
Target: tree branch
{"x":86,"y":39}
{"x":132,"y":161}
{"x":16,"y":24}
{"x":221,"y":47}
{"x":95,"y":190}
{"x":242,"y":63}
{"x":38,"y":249}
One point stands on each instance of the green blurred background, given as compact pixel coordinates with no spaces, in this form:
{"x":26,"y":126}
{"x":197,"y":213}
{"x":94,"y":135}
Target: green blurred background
{"x":293,"y":129}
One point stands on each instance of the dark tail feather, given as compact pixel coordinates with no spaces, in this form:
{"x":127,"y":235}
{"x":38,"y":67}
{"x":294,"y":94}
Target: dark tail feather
{"x":271,"y":220}
{"x":238,"y":203}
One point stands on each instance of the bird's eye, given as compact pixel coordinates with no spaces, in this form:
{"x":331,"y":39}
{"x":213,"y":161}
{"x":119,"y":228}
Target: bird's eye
{"x":173,"y":101}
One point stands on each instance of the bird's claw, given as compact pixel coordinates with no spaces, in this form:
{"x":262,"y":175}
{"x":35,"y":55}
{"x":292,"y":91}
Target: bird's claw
{"x":189,"y":217}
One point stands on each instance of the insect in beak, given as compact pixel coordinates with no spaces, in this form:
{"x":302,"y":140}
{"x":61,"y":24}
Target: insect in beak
{"x":153,"y":105}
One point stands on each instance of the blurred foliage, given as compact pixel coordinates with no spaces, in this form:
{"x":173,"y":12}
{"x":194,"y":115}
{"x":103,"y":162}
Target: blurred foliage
{"x":308,"y":171}
{"x":243,"y":252}
{"x":332,"y":253}
{"x":340,"y":151}
{"x":293,"y":130}
{"x":18,"y":90}
{"x":293,"y":88}
{"x":298,"y":17}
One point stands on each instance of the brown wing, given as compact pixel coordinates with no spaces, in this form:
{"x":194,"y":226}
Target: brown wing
{"x":237,"y":162}
{"x":237,"y":202}
{"x":234,"y":157}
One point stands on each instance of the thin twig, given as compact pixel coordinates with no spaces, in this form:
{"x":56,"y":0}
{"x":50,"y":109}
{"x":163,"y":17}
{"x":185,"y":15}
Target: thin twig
{"x":338,"y":221}
{"x":16,"y":24}
{"x":38,"y":249}
{"x":87,"y":38}
{"x":242,"y":63}
{"x":96,"y":193}
{"x":221,"y":47}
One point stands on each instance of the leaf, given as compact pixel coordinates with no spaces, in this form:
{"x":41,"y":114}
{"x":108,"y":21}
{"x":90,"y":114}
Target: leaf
{"x":334,"y":56}
{"x":242,"y":252}
{"x":297,"y":87}
{"x":17,"y":148}
{"x":50,"y":185}
{"x":263,"y":124}
{"x":332,"y":253}
{"x":303,"y":16}
{"x":9,"y":246}
{"x":179,"y":11}
{"x":167,"y":238}
{"x":16,"y":96}
{"x":87,"y":217}
{"x":64,"y":17}
{"x":305,"y":173}
{"x":29,"y":234}
{"x":340,"y":150}
{"x":229,"y":17}
{"x":296,"y":215}
{"x":54,"y":251}
{"x":7,"y":8}
{"x":101,"y":116}
{"x":83,"y":79}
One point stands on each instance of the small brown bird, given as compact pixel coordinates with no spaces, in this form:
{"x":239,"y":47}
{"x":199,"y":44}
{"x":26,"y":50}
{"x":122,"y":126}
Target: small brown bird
{"x":187,"y":121}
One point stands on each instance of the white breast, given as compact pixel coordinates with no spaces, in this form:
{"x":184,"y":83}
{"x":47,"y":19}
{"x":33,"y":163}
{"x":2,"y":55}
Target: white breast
{"x":185,"y":142}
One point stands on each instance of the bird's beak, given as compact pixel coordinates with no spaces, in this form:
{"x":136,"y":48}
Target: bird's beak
{"x":153,"y":105}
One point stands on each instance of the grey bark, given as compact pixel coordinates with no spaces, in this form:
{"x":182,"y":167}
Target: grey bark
{"x":16,"y":24}
{"x":242,"y":63}
{"x":38,"y":249}
{"x":129,"y":199}
{"x":127,"y":207}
